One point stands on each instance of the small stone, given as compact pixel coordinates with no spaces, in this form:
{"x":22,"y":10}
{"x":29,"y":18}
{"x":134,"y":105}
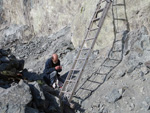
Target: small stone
{"x":145,"y":105}
{"x":131,"y":106}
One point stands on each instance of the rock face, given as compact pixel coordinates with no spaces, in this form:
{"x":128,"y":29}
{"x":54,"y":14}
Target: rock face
{"x":40,"y":16}
{"x":14,"y":34}
{"x":134,"y":17}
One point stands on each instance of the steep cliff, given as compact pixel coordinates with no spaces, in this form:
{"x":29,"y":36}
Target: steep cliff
{"x":46,"y":17}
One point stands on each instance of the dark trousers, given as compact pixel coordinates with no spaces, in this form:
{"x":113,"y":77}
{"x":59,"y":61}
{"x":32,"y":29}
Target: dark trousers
{"x":52,"y":77}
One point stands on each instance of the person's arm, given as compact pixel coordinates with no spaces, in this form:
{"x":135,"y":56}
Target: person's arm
{"x":48,"y":67}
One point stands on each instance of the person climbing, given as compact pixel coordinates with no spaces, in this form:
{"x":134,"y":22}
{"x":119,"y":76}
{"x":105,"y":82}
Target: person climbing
{"x":51,"y":71}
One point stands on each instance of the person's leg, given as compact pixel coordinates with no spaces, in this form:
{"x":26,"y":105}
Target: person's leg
{"x":60,"y":79}
{"x":52,"y":77}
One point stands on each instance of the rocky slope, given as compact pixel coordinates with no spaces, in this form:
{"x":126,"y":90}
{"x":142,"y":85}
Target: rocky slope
{"x":116,"y":78}
{"x":120,"y":83}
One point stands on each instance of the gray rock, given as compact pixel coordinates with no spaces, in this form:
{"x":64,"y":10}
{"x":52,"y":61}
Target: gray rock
{"x":144,"y":30}
{"x":113,"y":96}
{"x":146,"y":104}
{"x":15,"y":98}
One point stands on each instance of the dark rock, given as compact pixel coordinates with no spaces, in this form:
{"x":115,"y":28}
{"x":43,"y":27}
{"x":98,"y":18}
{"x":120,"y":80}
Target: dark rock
{"x":54,"y":104}
{"x":5,"y":52}
{"x":12,"y":57}
{"x":31,"y":76}
{"x":4,"y":59}
{"x":21,"y":65}
{"x":5,"y":66}
{"x":31,"y":110}
{"x":37,"y":93}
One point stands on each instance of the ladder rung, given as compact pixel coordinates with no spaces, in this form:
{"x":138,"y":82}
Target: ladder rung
{"x":71,"y":81}
{"x":93,"y":29}
{"x":99,"y":10}
{"x":81,"y":59}
{"x":101,"y":2}
{"x":117,"y":51}
{"x":108,"y":66}
{"x":89,"y":39}
{"x":118,"y":41}
{"x":96,"y":19}
{"x":75,"y":69}
{"x":93,"y":81}
{"x":85,"y":49}
{"x":86,"y":89}
{"x":65,"y":92}
{"x":120,"y":19}
{"x":118,"y":5}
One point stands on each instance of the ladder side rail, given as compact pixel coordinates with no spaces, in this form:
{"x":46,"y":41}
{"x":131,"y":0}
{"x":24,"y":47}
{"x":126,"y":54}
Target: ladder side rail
{"x":101,"y":22}
{"x":70,"y":72}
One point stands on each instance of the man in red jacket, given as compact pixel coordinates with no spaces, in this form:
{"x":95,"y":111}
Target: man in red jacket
{"x":51,"y":71}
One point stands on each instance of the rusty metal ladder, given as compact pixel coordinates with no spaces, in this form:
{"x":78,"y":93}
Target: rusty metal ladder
{"x":74,"y":74}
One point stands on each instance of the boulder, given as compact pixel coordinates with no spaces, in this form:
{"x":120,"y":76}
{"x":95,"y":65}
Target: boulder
{"x":15,"y":98}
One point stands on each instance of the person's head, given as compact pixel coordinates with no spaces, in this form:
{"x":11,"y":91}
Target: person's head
{"x":55,"y":58}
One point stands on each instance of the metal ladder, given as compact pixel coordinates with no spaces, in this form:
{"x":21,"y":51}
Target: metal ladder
{"x":74,"y":74}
